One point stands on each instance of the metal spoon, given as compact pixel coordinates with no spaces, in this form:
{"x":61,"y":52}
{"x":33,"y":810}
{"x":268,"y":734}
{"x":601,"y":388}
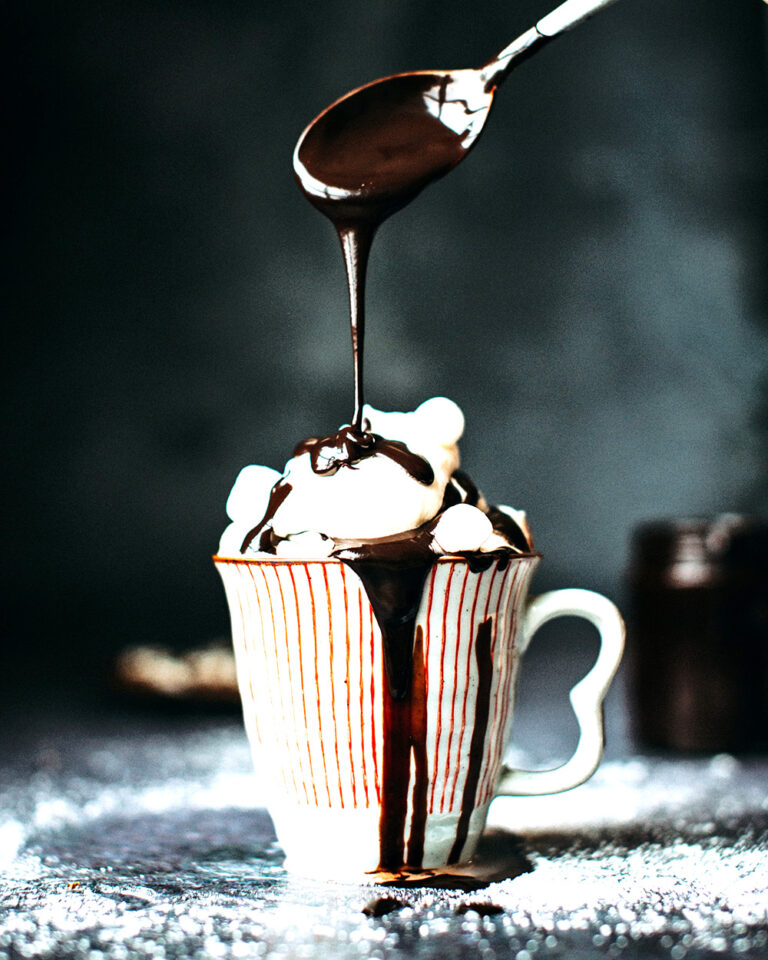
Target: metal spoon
{"x":372,"y":151}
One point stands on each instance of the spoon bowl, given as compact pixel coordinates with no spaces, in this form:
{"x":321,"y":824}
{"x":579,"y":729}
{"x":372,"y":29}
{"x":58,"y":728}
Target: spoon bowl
{"x":380,"y":145}
{"x":372,"y":151}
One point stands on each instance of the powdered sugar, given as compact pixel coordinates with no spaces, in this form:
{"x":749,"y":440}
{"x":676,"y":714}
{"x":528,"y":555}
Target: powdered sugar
{"x":156,"y":844}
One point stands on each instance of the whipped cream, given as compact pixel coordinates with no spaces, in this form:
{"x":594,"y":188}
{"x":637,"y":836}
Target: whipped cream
{"x":307,"y":514}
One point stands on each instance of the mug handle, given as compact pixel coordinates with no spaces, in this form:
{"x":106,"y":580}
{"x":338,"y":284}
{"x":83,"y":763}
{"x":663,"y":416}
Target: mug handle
{"x":586,"y":697}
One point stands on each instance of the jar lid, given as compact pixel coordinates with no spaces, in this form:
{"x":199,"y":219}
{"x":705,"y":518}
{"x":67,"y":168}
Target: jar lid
{"x":691,"y":550}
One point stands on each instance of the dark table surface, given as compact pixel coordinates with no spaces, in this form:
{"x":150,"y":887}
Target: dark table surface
{"x":127,"y":833}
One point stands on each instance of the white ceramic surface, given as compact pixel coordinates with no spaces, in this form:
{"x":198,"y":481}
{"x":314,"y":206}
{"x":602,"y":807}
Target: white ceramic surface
{"x":310,"y":671}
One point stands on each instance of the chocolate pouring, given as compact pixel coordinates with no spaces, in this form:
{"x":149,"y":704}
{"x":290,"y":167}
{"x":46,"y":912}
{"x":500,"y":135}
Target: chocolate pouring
{"x":361,"y":160}
{"x":371,"y":152}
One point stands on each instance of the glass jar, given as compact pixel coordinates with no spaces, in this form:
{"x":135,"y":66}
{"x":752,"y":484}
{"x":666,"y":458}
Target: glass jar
{"x":698,"y":634}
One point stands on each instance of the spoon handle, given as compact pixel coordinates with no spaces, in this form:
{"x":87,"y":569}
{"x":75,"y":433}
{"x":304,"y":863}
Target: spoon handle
{"x":562,"y":18}
{"x":568,"y":14}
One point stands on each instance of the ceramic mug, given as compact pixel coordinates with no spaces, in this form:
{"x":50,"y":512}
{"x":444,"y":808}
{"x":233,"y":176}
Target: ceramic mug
{"x":359,"y":782}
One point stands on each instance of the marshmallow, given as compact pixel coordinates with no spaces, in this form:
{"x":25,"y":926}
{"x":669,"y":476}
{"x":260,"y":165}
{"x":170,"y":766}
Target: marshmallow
{"x":300,"y":546}
{"x":248,"y":498}
{"x":461,"y":528}
{"x":374,"y":498}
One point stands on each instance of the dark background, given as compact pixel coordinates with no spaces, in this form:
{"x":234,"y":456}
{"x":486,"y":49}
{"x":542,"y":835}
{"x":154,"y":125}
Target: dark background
{"x":588,"y":286}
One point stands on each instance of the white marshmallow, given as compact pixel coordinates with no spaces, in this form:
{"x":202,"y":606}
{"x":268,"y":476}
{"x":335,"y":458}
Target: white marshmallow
{"x":461,"y":528}
{"x":248,"y":498}
{"x":232,"y":539}
{"x":302,"y":546}
{"x":376,"y":497}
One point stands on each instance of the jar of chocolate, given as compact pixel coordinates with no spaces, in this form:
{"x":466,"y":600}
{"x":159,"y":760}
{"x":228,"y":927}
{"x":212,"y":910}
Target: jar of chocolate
{"x":698,"y":634}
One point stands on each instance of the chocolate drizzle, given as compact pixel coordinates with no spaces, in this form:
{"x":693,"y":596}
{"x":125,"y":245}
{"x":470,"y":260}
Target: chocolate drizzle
{"x":415,"y":852}
{"x":356,"y":243}
{"x":263,"y":529}
{"x":506,"y":527}
{"x":484,"y":662}
{"x":405,"y":732}
{"x":349,"y":445}
{"x":465,"y":487}
{"x":395,"y":777}
{"x":360,"y":161}
{"x":393,"y":573}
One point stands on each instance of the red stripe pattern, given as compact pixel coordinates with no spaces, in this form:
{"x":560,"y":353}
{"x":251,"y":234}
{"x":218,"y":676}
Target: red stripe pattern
{"x":309,"y":660}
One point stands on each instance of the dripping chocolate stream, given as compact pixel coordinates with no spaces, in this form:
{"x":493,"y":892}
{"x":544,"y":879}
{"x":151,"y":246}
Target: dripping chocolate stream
{"x":356,"y":245}
{"x":405,"y":732}
{"x":484,"y":662}
{"x":359,"y":162}
{"x":374,"y":150}
{"x":366,"y":157}
{"x":418,"y":737}
{"x":393,"y":574}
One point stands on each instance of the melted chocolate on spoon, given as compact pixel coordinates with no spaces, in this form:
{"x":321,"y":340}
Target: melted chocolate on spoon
{"x":372,"y":151}
{"x":369,"y":155}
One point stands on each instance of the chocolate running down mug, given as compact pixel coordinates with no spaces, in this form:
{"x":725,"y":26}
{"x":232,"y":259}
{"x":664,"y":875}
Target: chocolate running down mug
{"x":359,"y":780}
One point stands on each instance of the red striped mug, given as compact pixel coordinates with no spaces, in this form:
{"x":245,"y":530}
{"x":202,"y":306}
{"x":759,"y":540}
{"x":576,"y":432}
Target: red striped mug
{"x":359,"y":782}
